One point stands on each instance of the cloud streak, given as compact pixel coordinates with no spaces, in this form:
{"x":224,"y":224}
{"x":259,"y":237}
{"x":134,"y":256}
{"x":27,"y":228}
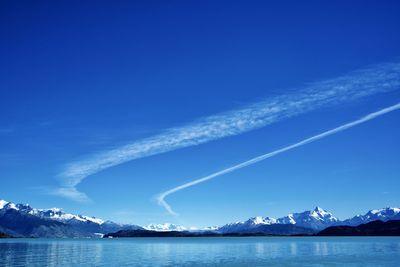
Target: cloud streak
{"x":369,"y":81}
{"x":161,"y":198}
{"x":70,"y":193}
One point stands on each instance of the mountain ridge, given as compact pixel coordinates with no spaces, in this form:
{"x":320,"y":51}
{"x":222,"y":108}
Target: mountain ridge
{"x":316,"y":219}
{"x":23,"y":220}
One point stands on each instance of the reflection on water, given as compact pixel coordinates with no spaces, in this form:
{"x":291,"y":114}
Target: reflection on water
{"x":252,"y":251}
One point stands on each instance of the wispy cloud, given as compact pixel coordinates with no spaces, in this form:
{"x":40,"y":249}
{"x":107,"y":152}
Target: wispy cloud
{"x":70,"y":193}
{"x":365,"y":82}
{"x":161,"y":198}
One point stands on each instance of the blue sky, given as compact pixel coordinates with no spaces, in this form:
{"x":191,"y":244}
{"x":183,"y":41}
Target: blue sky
{"x":79,"y":79}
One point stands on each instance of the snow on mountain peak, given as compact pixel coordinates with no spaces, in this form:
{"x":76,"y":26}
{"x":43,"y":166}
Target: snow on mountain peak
{"x":3,"y":203}
{"x":250,"y":223}
{"x":10,"y":205}
{"x":53,"y":213}
{"x":289,"y":219}
{"x":386,"y":211}
{"x":56,"y":210}
{"x":322,"y":215}
{"x":60,"y":215}
{"x":317,"y":218}
{"x":261,"y":220}
{"x":92,"y":219}
{"x":165,"y":227}
{"x":210,"y":228}
{"x":384,"y":214}
{"x":320,"y":210}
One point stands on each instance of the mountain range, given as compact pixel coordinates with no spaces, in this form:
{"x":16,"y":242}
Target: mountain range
{"x":316,"y":220}
{"x":21,"y":220}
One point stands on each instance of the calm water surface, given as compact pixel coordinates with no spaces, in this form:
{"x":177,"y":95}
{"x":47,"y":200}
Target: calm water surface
{"x":245,"y":251}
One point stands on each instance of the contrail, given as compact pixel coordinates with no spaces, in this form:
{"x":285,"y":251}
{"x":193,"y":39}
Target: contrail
{"x":366,"y":82}
{"x":161,"y":198}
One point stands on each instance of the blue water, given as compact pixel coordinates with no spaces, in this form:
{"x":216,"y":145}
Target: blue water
{"x":244,"y":251}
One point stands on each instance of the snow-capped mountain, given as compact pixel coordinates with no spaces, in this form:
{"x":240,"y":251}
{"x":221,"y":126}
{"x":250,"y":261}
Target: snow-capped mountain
{"x":165,"y":227}
{"x":246,"y":225}
{"x":384,"y":214}
{"x":23,"y":220}
{"x":316,"y":219}
{"x":209,"y":229}
{"x":52,"y":214}
{"x":2,"y":203}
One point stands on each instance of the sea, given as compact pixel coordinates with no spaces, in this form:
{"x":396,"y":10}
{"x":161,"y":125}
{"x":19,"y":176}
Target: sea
{"x":203,"y":251}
